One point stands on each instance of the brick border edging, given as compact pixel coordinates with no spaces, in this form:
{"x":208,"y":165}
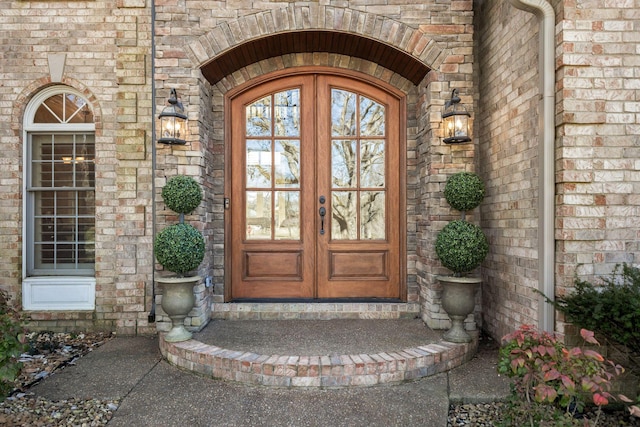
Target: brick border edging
{"x":317,"y":371}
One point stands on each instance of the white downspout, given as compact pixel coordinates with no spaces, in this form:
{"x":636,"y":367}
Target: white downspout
{"x":546,"y":193}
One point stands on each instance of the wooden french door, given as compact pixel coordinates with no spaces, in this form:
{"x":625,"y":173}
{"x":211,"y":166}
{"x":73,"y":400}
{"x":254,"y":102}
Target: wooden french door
{"x":314,"y":204}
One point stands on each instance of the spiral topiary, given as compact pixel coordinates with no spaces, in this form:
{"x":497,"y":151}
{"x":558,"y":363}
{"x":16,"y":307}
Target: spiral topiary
{"x":179,"y":248}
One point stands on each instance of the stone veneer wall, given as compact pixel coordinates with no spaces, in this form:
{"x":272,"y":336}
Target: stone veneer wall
{"x":190,"y":34}
{"x":597,"y":149}
{"x":107,"y":45}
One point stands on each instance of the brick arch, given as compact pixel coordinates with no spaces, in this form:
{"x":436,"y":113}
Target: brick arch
{"x":301,"y":61}
{"x":236,"y":44}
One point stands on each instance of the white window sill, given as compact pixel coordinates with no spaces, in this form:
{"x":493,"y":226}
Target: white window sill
{"x":53,"y":293}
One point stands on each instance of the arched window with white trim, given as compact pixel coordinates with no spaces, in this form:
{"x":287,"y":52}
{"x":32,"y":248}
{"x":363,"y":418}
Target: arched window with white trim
{"x":59,"y":223}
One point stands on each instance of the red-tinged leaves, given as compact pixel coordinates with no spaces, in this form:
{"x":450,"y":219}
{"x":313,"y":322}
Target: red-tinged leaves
{"x":551,"y":375}
{"x":575,"y":352}
{"x":568,"y":383}
{"x":587,"y":385}
{"x":551,"y":351}
{"x":589,"y":336}
{"x":541,"y":350}
{"x":594,"y":355}
{"x":545,"y":394}
{"x":600,"y":400}
{"x":635,"y":411}
{"x":517,"y":363}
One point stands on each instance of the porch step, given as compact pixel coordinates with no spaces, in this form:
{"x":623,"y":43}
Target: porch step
{"x":317,"y":353}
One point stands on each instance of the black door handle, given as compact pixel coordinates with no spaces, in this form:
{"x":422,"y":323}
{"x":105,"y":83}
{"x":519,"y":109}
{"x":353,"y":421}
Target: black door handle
{"x":322,"y":212}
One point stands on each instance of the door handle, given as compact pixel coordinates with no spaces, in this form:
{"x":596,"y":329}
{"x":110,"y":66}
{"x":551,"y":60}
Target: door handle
{"x":322,"y":212}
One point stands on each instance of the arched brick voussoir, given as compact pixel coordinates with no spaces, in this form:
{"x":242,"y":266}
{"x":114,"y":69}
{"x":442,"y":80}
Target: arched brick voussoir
{"x":369,"y":28}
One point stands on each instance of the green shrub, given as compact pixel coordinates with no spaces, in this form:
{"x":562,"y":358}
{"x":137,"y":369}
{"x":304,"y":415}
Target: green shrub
{"x":12,"y":344}
{"x":461,"y":246}
{"x":611,"y":309}
{"x":464,"y":191}
{"x":179,"y":248}
{"x":182,"y":194}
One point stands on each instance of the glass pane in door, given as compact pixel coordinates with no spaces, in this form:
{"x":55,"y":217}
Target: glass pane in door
{"x":272,"y":168}
{"x":358,"y":167}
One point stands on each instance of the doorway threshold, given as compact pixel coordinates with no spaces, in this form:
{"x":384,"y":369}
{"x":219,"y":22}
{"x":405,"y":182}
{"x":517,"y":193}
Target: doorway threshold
{"x":305,"y":310}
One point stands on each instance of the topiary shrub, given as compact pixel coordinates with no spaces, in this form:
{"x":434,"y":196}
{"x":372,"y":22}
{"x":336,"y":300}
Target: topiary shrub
{"x":464,"y":191}
{"x":179,"y":248}
{"x":461,"y":246}
{"x":182,"y":194}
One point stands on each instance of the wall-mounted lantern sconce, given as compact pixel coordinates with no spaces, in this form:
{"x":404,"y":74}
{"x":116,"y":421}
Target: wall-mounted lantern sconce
{"x":173,"y":122}
{"x":455,"y":120}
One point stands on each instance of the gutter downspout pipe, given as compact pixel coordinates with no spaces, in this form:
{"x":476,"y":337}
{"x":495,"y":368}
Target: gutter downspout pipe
{"x":152,"y":313}
{"x":546,"y":190}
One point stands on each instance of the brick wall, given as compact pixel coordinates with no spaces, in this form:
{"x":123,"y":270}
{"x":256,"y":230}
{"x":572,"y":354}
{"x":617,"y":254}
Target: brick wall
{"x":508,"y":158}
{"x":598,"y":171}
{"x":191,"y":34}
{"x":597,"y":135}
{"x":116,"y":77}
{"x":107,"y":50}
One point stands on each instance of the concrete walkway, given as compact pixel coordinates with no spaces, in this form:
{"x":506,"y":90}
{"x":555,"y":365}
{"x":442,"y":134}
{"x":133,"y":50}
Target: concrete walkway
{"x":153,"y":393}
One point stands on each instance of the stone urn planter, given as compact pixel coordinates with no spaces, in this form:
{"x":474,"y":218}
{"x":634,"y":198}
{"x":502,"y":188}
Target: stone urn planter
{"x":458,"y":300}
{"x":177,"y":302}
{"x":461,"y":247}
{"x":179,"y":248}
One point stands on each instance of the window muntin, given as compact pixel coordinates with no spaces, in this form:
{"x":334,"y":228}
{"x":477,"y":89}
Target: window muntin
{"x":60,"y":185}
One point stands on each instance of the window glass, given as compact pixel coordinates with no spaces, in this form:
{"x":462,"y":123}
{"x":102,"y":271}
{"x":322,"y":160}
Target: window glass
{"x":61,"y":188}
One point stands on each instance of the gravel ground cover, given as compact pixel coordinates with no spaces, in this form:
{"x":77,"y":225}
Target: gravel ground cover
{"x":47,"y":353}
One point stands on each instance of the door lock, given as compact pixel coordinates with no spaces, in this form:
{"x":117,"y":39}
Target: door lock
{"x":322,"y":212}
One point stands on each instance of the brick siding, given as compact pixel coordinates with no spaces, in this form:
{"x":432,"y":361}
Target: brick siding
{"x":597,"y":128}
{"x":597,"y":111}
{"x":107,"y":50}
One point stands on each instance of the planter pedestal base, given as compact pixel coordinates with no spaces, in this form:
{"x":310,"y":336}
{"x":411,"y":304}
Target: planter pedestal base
{"x":177,"y":302}
{"x":458,"y":300}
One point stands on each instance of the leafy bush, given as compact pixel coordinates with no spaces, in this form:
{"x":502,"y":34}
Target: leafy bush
{"x":548,"y":373}
{"x":12,"y":344}
{"x":464,"y":191}
{"x":612,"y":309}
{"x":182,"y":194}
{"x":179,"y":248}
{"x":461,"y":246}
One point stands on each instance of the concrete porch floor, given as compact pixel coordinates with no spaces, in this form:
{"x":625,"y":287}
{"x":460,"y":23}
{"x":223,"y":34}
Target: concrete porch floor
{"x":318,"y":353}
